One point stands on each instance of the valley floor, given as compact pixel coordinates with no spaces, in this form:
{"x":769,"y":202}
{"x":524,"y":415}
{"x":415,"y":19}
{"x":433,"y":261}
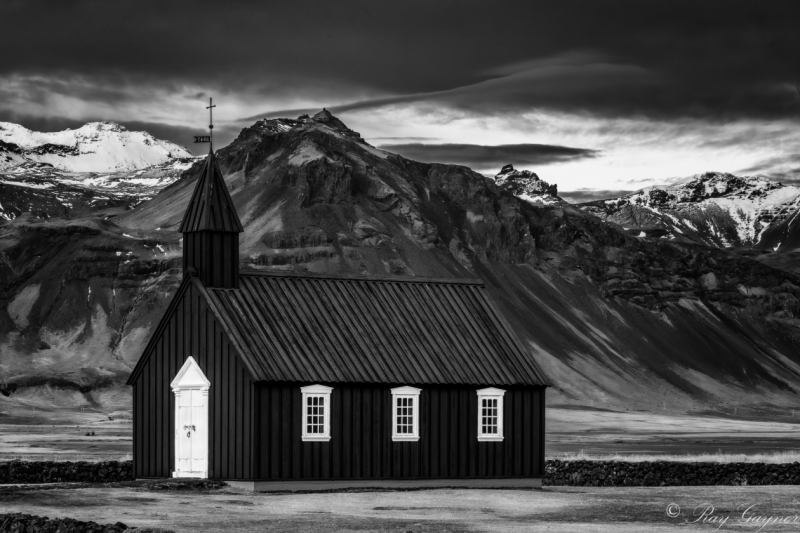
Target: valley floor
{"x":111,"y":441}
{"x":557,"y":509}
{"x":587,"y":432}
{"x":602,"y":432}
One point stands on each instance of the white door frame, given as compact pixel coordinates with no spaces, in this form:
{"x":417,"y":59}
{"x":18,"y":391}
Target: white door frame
{"x":191,"y":378}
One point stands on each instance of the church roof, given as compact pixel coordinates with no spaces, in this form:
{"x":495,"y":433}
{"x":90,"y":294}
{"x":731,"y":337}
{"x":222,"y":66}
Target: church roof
{"x":322,"y":328}
{"x":211,"y":207}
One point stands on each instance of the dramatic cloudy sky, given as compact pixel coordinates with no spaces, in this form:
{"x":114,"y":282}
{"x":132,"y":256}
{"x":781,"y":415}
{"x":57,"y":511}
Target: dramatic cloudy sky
{"x":596,"y":96}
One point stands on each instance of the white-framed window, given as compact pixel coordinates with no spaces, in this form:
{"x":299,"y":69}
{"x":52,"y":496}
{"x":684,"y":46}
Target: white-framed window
{"x":316,"y":413}
{"x":405,"y":414}
{"x":490,"y":414}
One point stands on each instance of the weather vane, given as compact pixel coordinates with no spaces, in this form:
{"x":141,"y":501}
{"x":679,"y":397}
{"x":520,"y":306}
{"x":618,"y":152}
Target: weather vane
{"x":207,"y":138}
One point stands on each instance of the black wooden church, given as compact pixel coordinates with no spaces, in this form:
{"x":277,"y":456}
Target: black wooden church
{"x":259,"y":377}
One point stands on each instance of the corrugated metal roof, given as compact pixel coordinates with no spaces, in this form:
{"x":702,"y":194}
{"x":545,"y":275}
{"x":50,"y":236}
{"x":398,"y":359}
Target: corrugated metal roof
{"x":299,"y":327}
{"x":211,"y":207}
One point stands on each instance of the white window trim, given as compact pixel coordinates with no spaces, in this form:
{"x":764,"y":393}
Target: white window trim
{"x":325,"y":392}
{"x":490,"y":393}
{"x":406,"y":392}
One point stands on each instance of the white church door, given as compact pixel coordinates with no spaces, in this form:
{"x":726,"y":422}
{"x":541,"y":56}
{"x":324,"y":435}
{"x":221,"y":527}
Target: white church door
{"x":191,"y":421}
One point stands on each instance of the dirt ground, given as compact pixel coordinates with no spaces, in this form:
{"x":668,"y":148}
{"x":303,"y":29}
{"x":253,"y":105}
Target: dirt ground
{"x":549,"y":509}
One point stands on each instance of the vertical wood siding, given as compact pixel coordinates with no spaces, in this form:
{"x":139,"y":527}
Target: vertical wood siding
{"x":361,"y":445}
{"x":193,"y":331}
{"x":215,"y":255}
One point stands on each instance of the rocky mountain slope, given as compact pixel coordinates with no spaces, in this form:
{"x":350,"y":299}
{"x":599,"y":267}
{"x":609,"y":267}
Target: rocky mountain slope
{"x":45,"y":191}
{"x":713,"y":208}
{"x":615,"y":320}
{"x":527,"y":186}
{"x":94,"y":147}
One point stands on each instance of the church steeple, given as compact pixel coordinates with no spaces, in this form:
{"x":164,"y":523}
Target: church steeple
{"x":211,"y":230}
{"x":211,"y":207}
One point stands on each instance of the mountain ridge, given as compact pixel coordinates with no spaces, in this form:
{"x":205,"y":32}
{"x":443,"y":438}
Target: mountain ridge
{"x":712,"y":208}
{"x":94,"y":147}
{"x":40,"y":172}
{"x":527,"y":186}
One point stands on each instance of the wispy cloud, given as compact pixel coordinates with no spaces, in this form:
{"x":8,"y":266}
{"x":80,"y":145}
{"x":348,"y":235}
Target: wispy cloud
{"x":589,"y":195}
{"x":481,"y":157}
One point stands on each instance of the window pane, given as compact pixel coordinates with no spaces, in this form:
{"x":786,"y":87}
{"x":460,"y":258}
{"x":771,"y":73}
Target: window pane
{"x":404,"y":416}
{"x":489,"y":416}
{"x":315,"y":415}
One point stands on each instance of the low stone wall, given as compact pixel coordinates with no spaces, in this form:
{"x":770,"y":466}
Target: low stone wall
{"x":667,"y":473}
{"x":25,"y":523}
{"x":65,"y":472}
{"x":572,"y":473}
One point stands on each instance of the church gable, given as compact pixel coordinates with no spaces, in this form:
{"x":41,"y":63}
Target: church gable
{"x":183,"y":328}
{"x":188,"y":331}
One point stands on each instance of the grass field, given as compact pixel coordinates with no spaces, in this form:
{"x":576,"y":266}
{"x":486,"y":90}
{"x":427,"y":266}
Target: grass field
{"x":595,"y":432}
{"x":577,"y":433}
{"x":111,"y":441}
{"x":555,"y":509}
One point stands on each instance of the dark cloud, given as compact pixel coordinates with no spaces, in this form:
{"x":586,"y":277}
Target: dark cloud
{"x":580,"y":196}
{"x":408,"y":139}
{"x":666,"y":58}
{"x":791,"y":177}
{"x":489,"y":157}
{"x":783,"y":168}
{"x":600,"y":87}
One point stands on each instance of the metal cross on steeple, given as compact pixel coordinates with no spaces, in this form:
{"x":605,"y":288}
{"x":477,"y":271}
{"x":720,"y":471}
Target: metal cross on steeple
{"x":208,"y":138}
{"x":211,"y":122}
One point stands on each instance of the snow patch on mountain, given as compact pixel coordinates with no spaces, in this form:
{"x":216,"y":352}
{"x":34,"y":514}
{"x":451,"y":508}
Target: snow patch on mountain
{"x":527,"y":186}
{"x":46,"y":191}
{"x":94,"y":147}
{"x":713,"y":208}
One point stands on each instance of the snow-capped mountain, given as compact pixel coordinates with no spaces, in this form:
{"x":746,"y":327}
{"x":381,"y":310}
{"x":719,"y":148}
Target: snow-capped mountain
{"x":94,"y":147}
{"x":713,"y":208}
{"x":527,"y":186}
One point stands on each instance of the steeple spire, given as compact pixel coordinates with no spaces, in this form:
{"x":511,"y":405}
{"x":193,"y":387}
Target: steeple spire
{"x":211,"y":229}
{"x":211,"y":207}
{"x":210,"y":108}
